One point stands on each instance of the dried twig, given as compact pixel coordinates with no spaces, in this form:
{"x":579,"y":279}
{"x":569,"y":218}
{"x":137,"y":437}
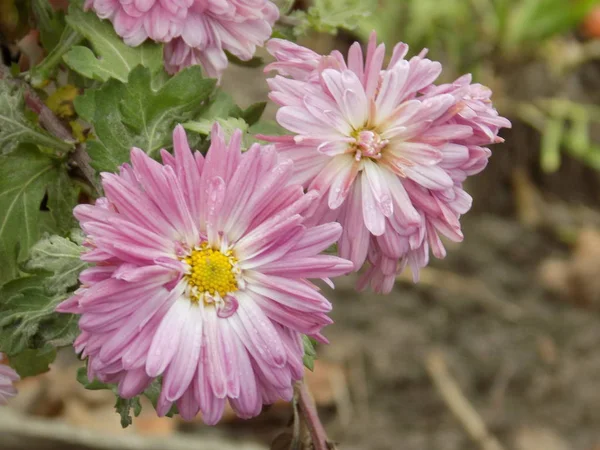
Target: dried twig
{"x":458,"y":403}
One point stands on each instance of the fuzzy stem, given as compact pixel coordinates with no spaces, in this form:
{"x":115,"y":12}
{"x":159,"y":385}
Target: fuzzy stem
{"x":47,"y":119}
{"x":308,"y":412}
{"x":54,"y":126}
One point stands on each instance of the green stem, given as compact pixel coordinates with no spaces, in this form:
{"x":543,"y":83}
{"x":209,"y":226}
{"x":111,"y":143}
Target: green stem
{"x":41,"y":73}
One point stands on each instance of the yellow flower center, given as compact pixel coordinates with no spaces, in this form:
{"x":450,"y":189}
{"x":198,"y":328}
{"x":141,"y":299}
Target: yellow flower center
{"x":211,"y":272}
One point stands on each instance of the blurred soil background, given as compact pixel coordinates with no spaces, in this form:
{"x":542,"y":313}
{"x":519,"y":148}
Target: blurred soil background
{"x":498,"y":346}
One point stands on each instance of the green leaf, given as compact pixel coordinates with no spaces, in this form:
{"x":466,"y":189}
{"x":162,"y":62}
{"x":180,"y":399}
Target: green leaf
{"x":27,"y":305}
{"x":123,"y":406}
{"x":27,"y":316}
{"x":32,"y":362}
{"x":230,"y":116}
{"x":63,"y":193}
{"x":61,"y":330}
{"x":41,"y":73}
{"x":153,"y":391}
{"x":111,"y":58}
{"x":253,"y":113}
{"x":310,"y":353}
{"x":229,"y":125}
{"x":327,"y":16}
{"x":224,"y":110}
{"x":267,"y":127}
{"x":139,"y":113}
{"x":94,"y":385}
{"x":25,"y":176}
{"x":15,"y":127}
{"x":85,"y":105}
{"x":49,"y":22}
{"x":61,"y":258}
{"x":221,"y":105}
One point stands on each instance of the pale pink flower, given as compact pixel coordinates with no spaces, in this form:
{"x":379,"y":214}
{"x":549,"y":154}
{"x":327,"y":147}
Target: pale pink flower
{"x":7,"y":377}
{"x":387,"y":149}
{"x":201,"y":277}
{"x":194,"y":31}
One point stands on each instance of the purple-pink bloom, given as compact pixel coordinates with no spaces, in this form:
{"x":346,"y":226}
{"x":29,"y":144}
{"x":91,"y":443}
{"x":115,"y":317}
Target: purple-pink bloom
{"x":387,"y":149}
{"x":194,"y":31}
{"x":200,"y":275}
{"x":7,"y":377}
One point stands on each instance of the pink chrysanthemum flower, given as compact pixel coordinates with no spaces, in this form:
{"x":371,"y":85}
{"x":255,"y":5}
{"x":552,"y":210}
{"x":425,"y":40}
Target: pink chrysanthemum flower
{"x":387,"y":149}
{"x":7,"y":377}
{"x":200,"y":276}
{"x":195,"y":31}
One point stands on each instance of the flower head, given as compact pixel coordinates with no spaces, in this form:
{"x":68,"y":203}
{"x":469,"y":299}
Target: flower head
{"x":200,"y":276}
{"x":387,"y":148}
{"x":7,"y":377}
{"x":194,"y":31}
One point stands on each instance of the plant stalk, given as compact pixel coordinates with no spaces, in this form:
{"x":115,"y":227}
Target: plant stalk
{"x":308,"y":412}
{"x":54,"y":126}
